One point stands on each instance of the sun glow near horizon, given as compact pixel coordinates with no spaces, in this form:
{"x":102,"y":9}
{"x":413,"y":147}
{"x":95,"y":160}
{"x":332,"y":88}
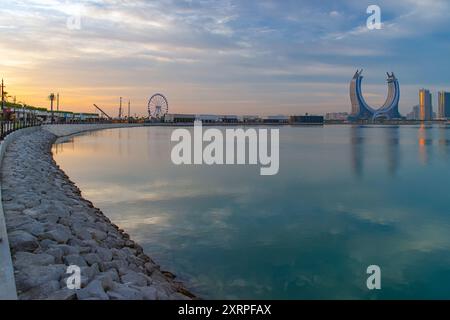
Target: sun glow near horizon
{"x":226,"y":57}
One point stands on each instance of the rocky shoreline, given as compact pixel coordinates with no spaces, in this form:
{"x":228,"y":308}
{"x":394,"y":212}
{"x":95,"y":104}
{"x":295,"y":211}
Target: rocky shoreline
{"x":50,"y":227}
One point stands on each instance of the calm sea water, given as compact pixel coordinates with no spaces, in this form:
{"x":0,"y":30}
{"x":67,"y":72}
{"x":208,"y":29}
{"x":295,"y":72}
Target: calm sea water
{"x":345,"y":198}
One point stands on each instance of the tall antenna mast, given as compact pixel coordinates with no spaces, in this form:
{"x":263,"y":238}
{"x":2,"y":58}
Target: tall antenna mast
{"x":3,"y":95}
{"x":129,"y":106}
{"x":120,"y":109}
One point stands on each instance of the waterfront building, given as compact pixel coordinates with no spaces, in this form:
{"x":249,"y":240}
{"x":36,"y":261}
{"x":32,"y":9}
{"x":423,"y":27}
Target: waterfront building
{"x":410,"y":116}
{"x":68,"y":116}
{"x":205,"y":118}
{"x":362,"y":111}
{"x":414,"y":114}
{"x":249,"y":119}
{"x":306,"y":119}
{"x":339,"y":116}
{"x":208,"y":118}
{"x":444,"y":104}
{"x":179,"y":118}
{"x":276,"y":119}
{"x":425,"y":103}
{"x":229,"y":119}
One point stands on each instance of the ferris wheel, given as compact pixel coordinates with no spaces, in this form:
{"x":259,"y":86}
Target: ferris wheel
{"x":158,"y":106}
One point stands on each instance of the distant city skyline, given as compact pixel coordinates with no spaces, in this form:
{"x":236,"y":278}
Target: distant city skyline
{"x":221,"y":57}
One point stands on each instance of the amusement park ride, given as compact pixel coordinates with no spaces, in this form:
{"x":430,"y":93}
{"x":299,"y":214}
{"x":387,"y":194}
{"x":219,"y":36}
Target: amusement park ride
{"x":158,"y":107}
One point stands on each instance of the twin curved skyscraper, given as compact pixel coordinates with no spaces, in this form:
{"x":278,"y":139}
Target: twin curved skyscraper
{"x":362,"y":111}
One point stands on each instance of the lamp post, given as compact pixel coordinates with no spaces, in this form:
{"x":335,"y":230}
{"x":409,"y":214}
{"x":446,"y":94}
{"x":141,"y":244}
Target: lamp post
{"x":3,"y":95}
{"x":52,"y":98}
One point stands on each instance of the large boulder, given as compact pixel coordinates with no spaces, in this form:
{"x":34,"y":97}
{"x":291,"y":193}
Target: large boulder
{"x":34,"y":276}
{"x":93,"y":290}
{"x":134,"y":278}
{"x":20,"y":240}
{"x":26,"y":259}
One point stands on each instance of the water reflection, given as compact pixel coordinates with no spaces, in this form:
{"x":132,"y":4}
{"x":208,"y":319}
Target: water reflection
{"x":361,"y":148}
{"x":392,"y":138}
{"x":364,"y":145}
{"x":63,"y":143}
{"x":357,"y":148}
{"x":444,"y":141}
{"x":425,"y":137}
{"x":309,"y":232}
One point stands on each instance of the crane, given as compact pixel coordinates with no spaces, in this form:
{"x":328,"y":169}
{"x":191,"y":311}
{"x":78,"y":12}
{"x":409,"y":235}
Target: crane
{"x":103,"y":112}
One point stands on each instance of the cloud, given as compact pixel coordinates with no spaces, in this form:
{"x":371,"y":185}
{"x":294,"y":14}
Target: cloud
{"x":168,"y":45}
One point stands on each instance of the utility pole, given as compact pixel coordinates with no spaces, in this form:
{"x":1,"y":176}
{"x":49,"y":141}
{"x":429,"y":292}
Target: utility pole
{"x":57,"y":102}
{"x":129,"y":104}
{"x":3,"y":95}
{"x":120,"y":109}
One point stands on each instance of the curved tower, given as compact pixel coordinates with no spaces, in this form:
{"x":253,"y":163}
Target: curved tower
{"x":362,"y":111}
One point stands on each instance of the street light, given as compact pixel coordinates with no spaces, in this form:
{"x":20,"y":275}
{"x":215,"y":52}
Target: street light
{"x":52,"y":98}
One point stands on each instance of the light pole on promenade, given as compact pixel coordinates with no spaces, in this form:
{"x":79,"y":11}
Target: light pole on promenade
{"x":52,"y":98}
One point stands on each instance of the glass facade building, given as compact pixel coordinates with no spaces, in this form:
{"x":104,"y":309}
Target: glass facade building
{"x":444,"y":104}
{"x":426,"y":106}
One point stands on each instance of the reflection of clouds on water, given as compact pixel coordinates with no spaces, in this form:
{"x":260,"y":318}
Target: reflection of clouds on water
{"x":180,"y":217}
{"x":369,"y":215}
{"x":309,"y":232}
{"x":137,"y":221}
{"x":159,"y":190}
{"x":401,"y":241}
{"x":414,"y":230}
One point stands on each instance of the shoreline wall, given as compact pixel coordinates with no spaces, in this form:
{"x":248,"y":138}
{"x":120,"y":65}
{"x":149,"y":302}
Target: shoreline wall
{"x":7,"y":282}
{"x":62,"y":130}
{"x":51,"y":226}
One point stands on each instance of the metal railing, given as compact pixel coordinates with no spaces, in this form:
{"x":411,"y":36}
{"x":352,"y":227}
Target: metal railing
{"x":8,"y":126}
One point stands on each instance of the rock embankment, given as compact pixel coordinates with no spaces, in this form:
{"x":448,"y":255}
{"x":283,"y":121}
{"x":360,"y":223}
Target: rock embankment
{"x":50,"y":227}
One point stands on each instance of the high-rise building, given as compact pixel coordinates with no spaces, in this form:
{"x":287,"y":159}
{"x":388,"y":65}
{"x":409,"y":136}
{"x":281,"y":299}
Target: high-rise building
{"x":416,"y":111}
{"x":362,"y":111}
{"x":414,"y":114}
{"x":444,"y":104}
{"x":425,"y":103}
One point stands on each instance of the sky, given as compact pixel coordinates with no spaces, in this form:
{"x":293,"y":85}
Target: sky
{"x":264,"y":57}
